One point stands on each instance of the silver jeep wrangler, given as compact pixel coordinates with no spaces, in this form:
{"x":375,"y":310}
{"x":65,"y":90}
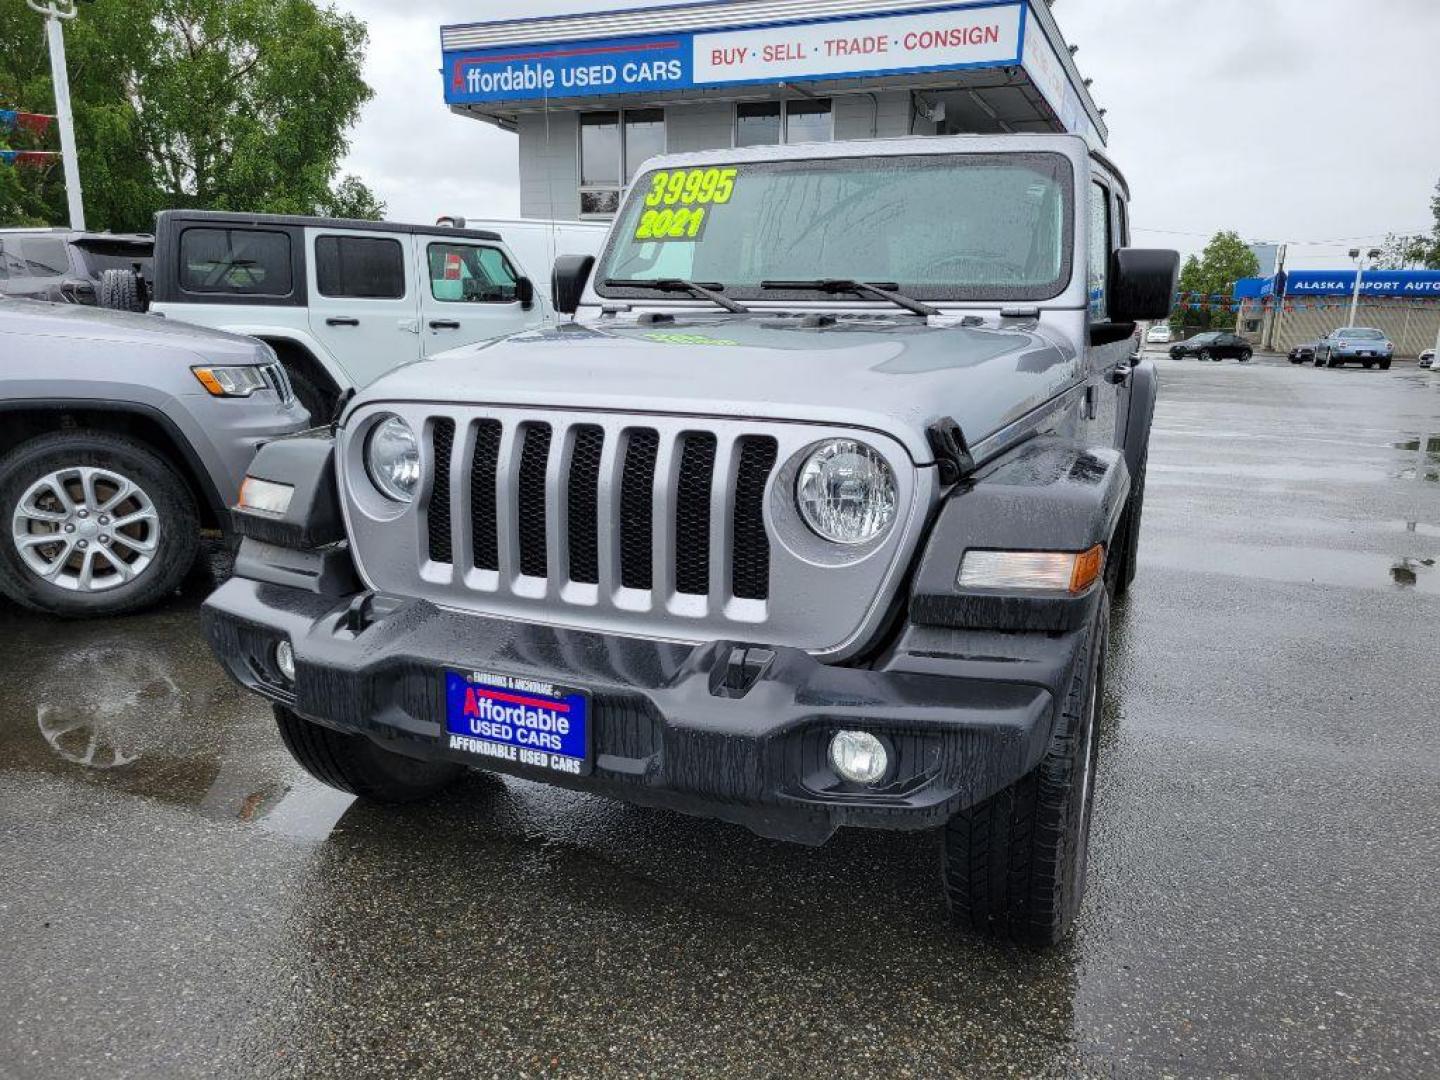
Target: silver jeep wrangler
{"x":810,"y":518}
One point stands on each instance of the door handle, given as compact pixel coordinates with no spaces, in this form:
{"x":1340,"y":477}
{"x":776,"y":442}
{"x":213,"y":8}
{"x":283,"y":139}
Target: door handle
{"x":444,"y":324}
{"x":1118,"y":375}
{"x":337,"y":320}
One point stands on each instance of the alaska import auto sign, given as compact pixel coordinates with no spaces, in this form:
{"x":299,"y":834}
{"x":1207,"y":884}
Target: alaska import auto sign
{"x":990,"y":35}
{"x":1415,"y":283}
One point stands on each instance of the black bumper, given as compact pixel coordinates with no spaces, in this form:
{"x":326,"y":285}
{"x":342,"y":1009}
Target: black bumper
{"x":727,"y":730}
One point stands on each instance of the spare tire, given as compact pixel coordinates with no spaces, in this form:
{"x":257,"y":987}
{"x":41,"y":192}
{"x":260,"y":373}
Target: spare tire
{"x":122,"y":290}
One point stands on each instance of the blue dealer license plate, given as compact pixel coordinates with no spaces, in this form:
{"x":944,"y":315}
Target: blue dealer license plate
{"x":523,"y":721}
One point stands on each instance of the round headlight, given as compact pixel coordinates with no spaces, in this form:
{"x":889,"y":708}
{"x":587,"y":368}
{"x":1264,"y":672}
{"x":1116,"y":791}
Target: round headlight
{"x":392,"y":458}
{"x":846,"y":492}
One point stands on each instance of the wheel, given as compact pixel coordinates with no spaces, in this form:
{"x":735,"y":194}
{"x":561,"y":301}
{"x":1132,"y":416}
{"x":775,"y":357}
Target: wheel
{"x":312,"y":399}
{"x":1384,"y":365}
{"x":1330,"y":361}
{"x":354,"y":764}
{"x":121,"y":290}
{"x":1369,"y":364}
{"x":1014,"y":865}
{"x":1245,"y":356}
{"x":1204,"y":354}
{"x":98,"y":525}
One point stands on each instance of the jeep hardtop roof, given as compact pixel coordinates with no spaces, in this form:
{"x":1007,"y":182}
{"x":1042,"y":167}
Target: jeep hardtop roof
{"x":225,"y":217}
{"x":897,"y":146}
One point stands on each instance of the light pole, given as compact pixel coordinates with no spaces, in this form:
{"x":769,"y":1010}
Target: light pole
{"x":56,"y":12}
{"x":1372,"y":254}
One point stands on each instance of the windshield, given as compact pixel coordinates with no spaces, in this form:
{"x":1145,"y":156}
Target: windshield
{"x":941,"y":227}
{"x":1364,"y":335}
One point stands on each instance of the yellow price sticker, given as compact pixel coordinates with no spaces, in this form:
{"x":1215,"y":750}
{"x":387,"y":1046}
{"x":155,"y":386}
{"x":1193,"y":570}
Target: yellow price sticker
{"x":679,"y":201}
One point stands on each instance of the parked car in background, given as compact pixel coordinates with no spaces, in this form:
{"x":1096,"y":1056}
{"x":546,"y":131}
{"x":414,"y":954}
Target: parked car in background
{"x":1354,"y":345}
{"x":1213,"y":345}
{"x":341,"y":302}
{"x":121,"y":436}
{"x":66,"y":266}
{"x":1427,"y":358}
{"x":1160,"y":334}
{"x":1302,"y":354}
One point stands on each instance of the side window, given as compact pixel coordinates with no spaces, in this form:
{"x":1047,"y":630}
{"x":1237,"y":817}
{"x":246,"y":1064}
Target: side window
{"x":469,"y":273}
{"x":360,"y":267}
{"x":238,"y":262}
{"x":1099,"y":271}
{"x":45,"y":258}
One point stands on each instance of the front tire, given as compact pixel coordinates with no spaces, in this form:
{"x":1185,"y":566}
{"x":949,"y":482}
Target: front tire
{"x":1014,"y":865}
{"x":356,"y":765}
{"x":92,"y":524}
{"x":1245,"y":357}
{"x":1204,"y":354}
{"x":1384,"y":365}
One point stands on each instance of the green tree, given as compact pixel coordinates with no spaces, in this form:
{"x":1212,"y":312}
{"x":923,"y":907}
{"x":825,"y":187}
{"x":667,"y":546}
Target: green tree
{"x":214,"y":104}
{"x":1210,"y":282}
{"x":1415,"y":251}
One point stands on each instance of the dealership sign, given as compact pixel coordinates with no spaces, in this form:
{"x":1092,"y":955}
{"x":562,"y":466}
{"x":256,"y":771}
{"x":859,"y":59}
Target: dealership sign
{"x":945,"y":39}
{"x":1414,"y":283}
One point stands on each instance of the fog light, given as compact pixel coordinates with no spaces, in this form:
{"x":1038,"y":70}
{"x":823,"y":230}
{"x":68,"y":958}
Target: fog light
{"x":859,"y":757}
{"x":285,"y":660}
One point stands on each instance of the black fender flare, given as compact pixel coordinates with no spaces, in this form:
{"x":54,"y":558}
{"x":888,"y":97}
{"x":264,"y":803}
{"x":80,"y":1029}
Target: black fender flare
{"x":1049,"y":494}
{"x":1144,"y":389}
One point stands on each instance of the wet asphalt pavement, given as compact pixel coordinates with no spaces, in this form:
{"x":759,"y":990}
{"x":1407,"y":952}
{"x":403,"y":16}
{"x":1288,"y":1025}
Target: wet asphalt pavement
{"x":177,"y":899}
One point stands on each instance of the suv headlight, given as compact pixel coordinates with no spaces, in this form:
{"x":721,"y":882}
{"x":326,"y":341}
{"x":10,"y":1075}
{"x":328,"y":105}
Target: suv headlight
{"x":392,"y":459}
{"x":846,"y":492}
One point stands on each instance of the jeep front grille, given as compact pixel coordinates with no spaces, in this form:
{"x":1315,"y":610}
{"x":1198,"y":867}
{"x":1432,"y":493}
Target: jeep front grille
{"x":656,"y":525}
{"x":688,"y":567}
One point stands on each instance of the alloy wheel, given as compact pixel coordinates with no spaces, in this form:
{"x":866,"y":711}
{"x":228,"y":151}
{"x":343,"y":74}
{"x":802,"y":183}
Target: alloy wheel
{"x":86,"y":530}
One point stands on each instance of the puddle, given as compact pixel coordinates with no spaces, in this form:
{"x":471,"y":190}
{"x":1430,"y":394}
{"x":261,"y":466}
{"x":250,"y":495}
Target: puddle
{"x":1304,"y":566}
{"x":139,"y":707}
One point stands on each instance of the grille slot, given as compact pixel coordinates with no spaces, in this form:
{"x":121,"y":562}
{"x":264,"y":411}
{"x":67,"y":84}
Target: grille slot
{"x":534,"y":458}
{"x":484,"y":520}
{"x":438,"y":519}
{"x":692,"y":514}
{"x":750,"y":563}
{"x":584,"y":504}
{"x":637,"y":509}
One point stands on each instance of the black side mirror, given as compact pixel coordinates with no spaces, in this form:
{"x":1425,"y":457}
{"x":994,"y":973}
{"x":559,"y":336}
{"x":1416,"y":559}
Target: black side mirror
{"x":567,"y":281}
{"x":525,"y":293}
{"x":1142,"y":283}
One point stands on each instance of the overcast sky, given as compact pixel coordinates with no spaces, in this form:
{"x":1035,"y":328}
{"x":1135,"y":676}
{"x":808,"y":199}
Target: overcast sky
{"x":1288,"y":120}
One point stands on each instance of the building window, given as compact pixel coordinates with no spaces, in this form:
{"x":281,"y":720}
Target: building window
{"x":613,"y":145}
{"x":765,"y":123}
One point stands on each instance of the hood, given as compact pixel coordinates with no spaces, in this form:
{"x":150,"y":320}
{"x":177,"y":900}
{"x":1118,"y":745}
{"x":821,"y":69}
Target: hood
{"x":893,"y":374}
{"x":83,"y":323}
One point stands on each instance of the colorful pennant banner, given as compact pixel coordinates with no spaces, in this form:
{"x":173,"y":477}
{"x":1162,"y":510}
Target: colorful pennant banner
{"x":32,"y":158}
{"x":34,"y":123}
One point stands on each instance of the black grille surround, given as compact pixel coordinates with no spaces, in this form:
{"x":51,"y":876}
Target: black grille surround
{"x":438,"y":523}
{"x":534,"y":460}
{"x":637,"y":509}
{"x":584,"y":509}
{"x":484,"y":518}
{"x":692,"y":514}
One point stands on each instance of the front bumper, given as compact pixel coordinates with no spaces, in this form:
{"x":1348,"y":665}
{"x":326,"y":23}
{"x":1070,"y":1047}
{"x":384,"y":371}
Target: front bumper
{"x":726,"y":730}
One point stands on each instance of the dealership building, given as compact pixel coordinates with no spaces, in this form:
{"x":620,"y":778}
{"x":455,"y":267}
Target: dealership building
{"x":592,"y":96}
{"x":1299,"y":306}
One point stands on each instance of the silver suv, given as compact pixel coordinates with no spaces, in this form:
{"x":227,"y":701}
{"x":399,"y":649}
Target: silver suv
{"x":811,"y":517}
{"x":121,"y":436}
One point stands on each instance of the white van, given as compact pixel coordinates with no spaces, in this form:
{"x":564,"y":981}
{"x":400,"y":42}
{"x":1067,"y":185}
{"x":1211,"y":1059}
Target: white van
{"x":537,"y":242}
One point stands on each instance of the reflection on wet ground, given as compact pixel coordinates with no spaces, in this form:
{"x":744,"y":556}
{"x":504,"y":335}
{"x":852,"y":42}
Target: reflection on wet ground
{"x":1267,"y":835}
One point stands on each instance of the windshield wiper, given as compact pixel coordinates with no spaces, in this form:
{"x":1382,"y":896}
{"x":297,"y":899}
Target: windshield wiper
{"x":694,"y":288}
{"x":884,"y":290}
